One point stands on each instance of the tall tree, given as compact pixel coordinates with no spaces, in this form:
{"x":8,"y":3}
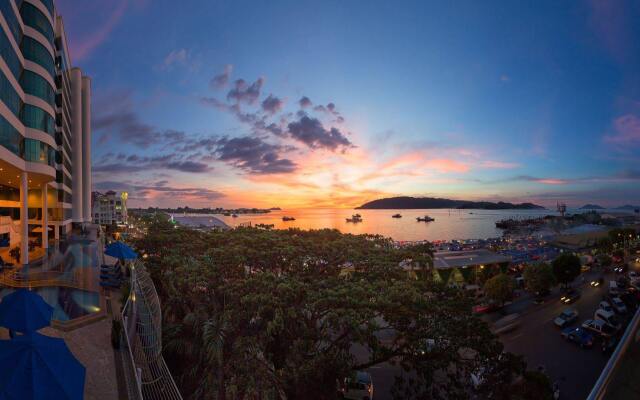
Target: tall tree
{"x":499,"y":288}
{"x":538,"y":278}
{"x":566,"y":268}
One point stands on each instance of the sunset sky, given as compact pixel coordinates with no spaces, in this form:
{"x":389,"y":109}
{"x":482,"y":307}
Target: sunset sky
{"x":334,"y":103}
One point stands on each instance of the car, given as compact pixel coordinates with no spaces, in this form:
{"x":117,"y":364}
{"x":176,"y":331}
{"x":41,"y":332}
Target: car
{"x":566,"y":317}
{"x":609,"y":317}
{"x":614,"y":288}
{"x":570,"y":296}
{"x":599,"y":327}
{"x":618,"y":305}
{"x":597,"y":282}
{"x":604,"y":305}
{"x":633,"y":275}
{"x":358,"y":387}
{"x":619,"y":269}
{"x":579,"y":336}
{"x":609,"y":345}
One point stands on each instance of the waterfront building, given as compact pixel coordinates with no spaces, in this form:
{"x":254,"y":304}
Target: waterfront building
{"x":459,"y":268}
{"x":45,"y":130}
{"x":110,"y":208}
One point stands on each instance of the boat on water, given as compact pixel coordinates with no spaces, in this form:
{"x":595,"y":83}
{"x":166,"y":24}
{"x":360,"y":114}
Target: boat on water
{"x":227,"y":214}
{"x":285,"y":218}
{"x":426,"y":218}
{"x":355,"y":218}
{"x":396,"y":216}
{"x":234,"y":215}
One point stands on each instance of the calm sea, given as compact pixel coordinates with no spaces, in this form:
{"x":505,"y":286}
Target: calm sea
{"x":448,"y":224}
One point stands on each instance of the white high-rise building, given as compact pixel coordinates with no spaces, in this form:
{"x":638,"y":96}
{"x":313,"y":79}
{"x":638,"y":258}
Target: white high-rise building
{"x":110,"y":208}
{"x":45,"y":129}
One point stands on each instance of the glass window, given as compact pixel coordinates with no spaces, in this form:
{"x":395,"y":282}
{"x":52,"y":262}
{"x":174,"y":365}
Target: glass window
{"x":36,"y":85}
{"x":34,"y":51}
{"x":9,"y":55}
{"x":9,"y":96}
{"x":49,"y":5}
{"x":10,"y":138}
{"x":37,"y":118}
{"x":14,"y":26}
{"x":34,"y":18}
{"x":36,"y":151}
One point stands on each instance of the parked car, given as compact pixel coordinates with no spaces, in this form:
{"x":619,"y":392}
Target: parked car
{"x":619,"y":269}
{"x":604,"y":305}
{"x":614,"y":290}
{"x":633,"y":275}
{"x":597,"y":282}
{"x":579,"y":336}
{"x":570,"y":296}
{"x":618,"y":305}
{"x":566,"y":317}
{"x":609,"y":317}
{"x":599,"y":327}
{"x":359,"y":387}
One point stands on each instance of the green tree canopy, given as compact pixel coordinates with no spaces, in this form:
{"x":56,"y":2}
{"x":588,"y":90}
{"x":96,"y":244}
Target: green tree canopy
{"x":499,"y":288}
{"x":566,"y":268}
{"x":538,"y":278}
{"x":250,"y":313}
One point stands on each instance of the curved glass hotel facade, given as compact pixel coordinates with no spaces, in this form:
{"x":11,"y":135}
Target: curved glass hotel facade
{"x":45,"y":130}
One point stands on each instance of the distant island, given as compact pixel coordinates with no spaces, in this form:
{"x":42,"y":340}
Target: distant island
{"x":591,"y":207}
{"x":407,"y":203}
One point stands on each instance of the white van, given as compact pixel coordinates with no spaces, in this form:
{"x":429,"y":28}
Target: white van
{"x":607,"y":316}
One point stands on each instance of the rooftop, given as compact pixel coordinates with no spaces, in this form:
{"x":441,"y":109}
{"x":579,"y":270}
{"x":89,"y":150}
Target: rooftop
{"x":467,"y":258}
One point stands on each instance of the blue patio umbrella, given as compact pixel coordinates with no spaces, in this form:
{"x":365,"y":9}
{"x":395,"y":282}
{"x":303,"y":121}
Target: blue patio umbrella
{"x":24,"y":311}
{"x":121,"y":251}
{"x":42,"y":367}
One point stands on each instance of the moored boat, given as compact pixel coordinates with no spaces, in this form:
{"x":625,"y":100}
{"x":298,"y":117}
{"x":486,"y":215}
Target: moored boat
{"x":396,"y":216}
{"x":285,"y":218}
{"x":426,"y":218}
{"x":355,"y":218}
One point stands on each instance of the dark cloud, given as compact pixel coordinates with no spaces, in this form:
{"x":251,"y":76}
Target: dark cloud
{"x":121,"y":163}
{"x":254,"y":155}
{"x":220,"y":81}
{"x":114,"y":118}
{"x":241,"y":93}
{"x":311,"y":132}
{"x":304,"y":102}
{"x":272,"y":105}
{"x":162,"y":190}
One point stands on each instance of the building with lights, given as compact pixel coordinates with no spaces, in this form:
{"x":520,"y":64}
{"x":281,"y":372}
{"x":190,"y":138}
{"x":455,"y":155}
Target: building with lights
{"x":45,"y":130}
{"x":110,"y":208}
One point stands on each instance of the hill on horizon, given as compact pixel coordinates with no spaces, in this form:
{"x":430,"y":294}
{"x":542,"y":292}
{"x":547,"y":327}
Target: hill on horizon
{"x":591,"y":207}
{"x":407,"y":203}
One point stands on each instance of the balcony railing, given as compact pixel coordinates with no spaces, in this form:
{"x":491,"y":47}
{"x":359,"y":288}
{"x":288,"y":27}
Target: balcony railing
{"x":147,"y":374}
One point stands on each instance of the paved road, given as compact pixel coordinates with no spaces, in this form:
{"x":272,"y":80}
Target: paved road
{"x":539,"y":341}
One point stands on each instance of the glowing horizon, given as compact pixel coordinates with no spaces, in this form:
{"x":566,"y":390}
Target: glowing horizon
{"x":273,"y":106}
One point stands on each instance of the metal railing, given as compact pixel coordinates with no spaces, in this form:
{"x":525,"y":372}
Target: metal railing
{"x":147,"y":374}
{"x":601,"y":387}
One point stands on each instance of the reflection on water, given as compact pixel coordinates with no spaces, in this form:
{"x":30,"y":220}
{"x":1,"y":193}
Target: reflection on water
{"x":448,"y":224}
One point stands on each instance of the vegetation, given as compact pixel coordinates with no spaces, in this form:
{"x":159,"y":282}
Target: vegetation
{"x":566,"y":268}
{"x":405,"y":203}
{"x":499,"y":288}
{"x":251,"y":313}
{"x":538,"y":278}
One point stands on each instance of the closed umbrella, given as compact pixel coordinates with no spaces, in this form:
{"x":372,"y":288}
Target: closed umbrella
{"x":24,"y":311}
{"x":42,"y":367}
{"x":120,"y":251}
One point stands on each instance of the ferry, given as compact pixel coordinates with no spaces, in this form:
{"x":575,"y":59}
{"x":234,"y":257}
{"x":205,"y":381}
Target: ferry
{"x":396,"y":216}
{"x":355,"y":218}
{"x":426,"y":218}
